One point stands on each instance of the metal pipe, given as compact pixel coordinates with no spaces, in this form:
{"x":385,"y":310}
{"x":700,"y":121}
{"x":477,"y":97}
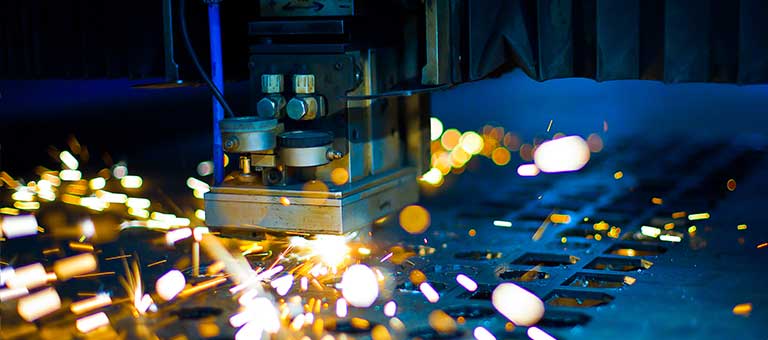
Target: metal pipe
{"x":217,"y":76}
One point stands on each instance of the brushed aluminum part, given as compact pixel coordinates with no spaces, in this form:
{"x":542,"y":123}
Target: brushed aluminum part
{"x":304,"y":157}
{"x":248,"y":134}
{"x":336,"y":211}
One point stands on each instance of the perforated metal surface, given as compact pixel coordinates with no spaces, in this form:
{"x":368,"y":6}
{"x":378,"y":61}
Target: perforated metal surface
{"x":591,"y":288}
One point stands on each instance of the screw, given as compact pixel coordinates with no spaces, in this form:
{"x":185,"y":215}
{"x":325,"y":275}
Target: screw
{"x":230,"y":143}
{"x":332,"y":154}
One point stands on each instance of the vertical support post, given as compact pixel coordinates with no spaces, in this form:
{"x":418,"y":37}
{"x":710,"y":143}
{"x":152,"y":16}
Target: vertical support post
{"x":217,"y":76}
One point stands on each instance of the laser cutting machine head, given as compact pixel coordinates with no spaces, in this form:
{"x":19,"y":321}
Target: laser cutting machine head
{"x":330,"y":145}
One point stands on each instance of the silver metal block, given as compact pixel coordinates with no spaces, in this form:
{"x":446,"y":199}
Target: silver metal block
{"x":290,"y":209}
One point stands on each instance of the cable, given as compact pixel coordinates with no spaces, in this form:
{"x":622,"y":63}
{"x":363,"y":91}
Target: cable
{"x":191,"y":51}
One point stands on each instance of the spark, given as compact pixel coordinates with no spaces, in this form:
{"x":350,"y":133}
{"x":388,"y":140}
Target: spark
{"x":131,"y":182}
{"x":341,"y":308}
{"x":88,"y":276}
{"x":170,"y":284}
{"x":481,"y":333}
{"x":527,"y":170}
{"x":331,"y":250}
{"x":70,"y":175}
{"x":137,"y":203}
{"x":359,"y":286}
{"x":143,"y":304}
{"x":73,"y":266}
{"x":741,"y":227}
{"x":699,"y":216}
{"x":7,"y":294}
{"x":196,"y":184}
{"x":80,"y":246}
{"x":536,"y":333}
{"x":97,"y":183}
{"x":282,"y":284}
{"x":19,"y":226}
{"x":156,"y":263}
{"x":133,"y":286}
{"x":202,"y":286}
{"x":23,"y":194}
{"x":560,"y":218}
{"x":657,"y":200}
{"x":386,"y":257}
{"x":429,"y":292}
{"x":9,"y":211}
{"x":69,"y":161}
{"x":92,"y":322}
{"x":285,"y":201}
{"x":390,"y":308}
{"x":562,"y":155}
{"x":601,"y":226}
{"x":5,"y":274}
{"x":176,"y":235}
{"x":618,"y":175}
{"x":762,"y":245}
{"x":742,"y":309}
{"x":200,"y":214}
{"x":142,"y":213}
{"x":517,"y":304}
{"x":89,"y":304}
{"x":39,"y":304}
{"x":670,"y":238}
{"x":650,"y":231}
{"x":360,"y":323}
{"x":540,"y":230}
{"x":679,"y":214}
{"x":87,"y":228}
{"x":29,"y":276}
{"x":466,"y":282}
{"x":503,"y":224}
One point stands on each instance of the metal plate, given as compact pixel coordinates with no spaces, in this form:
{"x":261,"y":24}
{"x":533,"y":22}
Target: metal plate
{"x":335,"y":211}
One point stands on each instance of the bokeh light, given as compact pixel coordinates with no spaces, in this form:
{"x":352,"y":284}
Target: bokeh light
{"x":414,"y":219}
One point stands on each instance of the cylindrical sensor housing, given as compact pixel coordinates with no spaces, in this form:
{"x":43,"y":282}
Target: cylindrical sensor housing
{"x":305,"y":148}
{"x":248,"y":134}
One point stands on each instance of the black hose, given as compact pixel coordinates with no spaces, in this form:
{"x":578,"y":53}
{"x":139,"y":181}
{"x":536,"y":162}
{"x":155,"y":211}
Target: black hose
{"x":191,"y":51}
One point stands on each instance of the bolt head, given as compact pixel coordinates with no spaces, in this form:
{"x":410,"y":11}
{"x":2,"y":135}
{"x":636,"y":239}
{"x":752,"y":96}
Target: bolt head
{"x":267,"y":108}
{"x":302,"y":108}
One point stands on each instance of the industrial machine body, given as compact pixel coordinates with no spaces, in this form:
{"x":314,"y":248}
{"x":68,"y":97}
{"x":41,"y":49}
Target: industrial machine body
{"x":323,"y":152}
